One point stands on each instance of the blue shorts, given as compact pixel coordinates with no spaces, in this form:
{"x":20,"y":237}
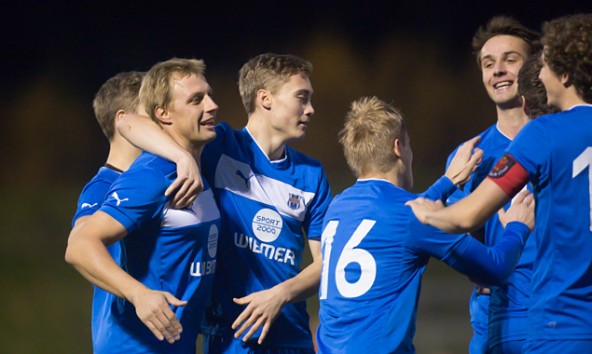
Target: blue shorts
{"x":479,"y":310}
{"x":558,"y":346}
{"x":227,"y":344}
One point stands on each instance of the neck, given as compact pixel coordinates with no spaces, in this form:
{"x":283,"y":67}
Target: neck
{"x":511,"y":120}
{"x":393,"y":176}
{"x":194,"y":148}
{"x":122,"y":154}
{"x":268,"y":139}
{"x":569,"y":99}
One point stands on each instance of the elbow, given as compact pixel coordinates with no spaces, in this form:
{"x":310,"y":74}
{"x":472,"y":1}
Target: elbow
{"x":72,"y":255}
{"x":69,"y":256}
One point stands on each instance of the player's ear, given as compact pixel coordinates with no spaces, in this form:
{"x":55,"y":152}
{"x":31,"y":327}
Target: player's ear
{"x":397,"y":148}
{"x":163,"y":115}
{"x":264,"y":99}
{"x":524,"y":106}
{"x":119,"y":114}
{"x":565,"y":80}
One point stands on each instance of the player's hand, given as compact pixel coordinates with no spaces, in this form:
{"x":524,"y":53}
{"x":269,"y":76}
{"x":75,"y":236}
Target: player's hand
{"x":464,"y":162}
{"x":423,"y":207}
{"x":262,"y":309}
{"x":188,"y":184}
{"x":522,"y":209}
{"x":153,"y":309}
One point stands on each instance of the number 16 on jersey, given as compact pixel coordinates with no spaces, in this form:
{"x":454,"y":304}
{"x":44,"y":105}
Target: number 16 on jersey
{"x":349,"y":254}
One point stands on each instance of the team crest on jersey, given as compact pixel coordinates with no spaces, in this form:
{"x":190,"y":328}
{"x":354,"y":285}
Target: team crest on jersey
{"x":502,"y":166}
{"x":294,"y":201}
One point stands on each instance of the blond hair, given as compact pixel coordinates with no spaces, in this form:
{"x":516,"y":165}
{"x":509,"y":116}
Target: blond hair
{"x":156,"y":86}
{"x":370,"y":128}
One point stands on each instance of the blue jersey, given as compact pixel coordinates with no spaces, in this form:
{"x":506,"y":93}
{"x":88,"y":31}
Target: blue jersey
{"x":508,"y":303}
{"x":268,"y":208}
{"x":556,"y":151}
{"x":165,"y":249}
{"x":90,"y":200}
{"x":374,"y":255}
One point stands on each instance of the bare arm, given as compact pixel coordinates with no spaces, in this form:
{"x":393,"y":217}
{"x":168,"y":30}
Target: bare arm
{"x":146,"y":135}
{"x":465,"y":215}
{"x":264,"y":306}
{"x":87,"y":252}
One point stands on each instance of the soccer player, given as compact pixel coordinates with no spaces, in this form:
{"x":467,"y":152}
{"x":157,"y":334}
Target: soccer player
{"x":272,"y":199}
{"x":498,"y":317}
{"x":375,"y":251}
{"x":168,"y":257}
{"x":117,"y":96}
{"x":553,"y":152}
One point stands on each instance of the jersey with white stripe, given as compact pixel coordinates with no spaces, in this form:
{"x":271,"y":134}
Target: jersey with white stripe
{"x":165,"y":249}
{"x":556,"y":151}
{"x":268,"y":209}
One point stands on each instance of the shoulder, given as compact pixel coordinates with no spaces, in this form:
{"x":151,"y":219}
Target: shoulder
{"x":150,"y":171}
{"x":302,"y":159}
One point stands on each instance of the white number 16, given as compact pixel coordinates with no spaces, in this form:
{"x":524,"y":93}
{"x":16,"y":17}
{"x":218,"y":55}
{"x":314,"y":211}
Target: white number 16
{"x":349,"y":254}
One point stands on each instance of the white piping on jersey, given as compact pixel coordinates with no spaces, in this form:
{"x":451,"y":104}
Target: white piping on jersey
{"x":579,"y":105}
{"x":263,"y":152}
{"x":238,"y":178}
{"x":203,"y":209}
{"x":501,"y":132}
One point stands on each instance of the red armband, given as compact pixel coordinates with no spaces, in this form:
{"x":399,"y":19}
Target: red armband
{"x":509,"y":175}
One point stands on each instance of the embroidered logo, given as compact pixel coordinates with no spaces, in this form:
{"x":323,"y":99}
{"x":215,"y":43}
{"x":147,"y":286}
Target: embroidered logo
{"x":294,"y":201}
{"x":88,"y":205}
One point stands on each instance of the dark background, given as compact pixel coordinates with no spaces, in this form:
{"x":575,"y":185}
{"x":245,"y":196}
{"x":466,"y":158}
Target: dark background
{"x":55,"y":55}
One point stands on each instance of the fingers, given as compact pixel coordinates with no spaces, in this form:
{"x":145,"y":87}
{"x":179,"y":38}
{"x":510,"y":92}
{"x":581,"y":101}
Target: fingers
{"x":173,"y":300}
{"x":173,"y":187}
{"x":253,"y":329}
{"x":477,"y":156}
{"x":157,"y":315}
{"x":243,"y":315}
{"x":264,"y":332}
{"x":183,"y":192}
{"x":164,"y":325}
{"x":470,"y":144}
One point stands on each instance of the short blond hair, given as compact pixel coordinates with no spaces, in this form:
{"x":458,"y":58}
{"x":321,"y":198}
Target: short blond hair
{"x":371,"y":126}
{"x":156,"y":86}
{"x":268,"y":71}
{"x":119,"y":92}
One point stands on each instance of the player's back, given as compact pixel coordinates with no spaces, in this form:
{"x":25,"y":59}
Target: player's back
{"x":556,"y":150}
{"x":369,"y":283}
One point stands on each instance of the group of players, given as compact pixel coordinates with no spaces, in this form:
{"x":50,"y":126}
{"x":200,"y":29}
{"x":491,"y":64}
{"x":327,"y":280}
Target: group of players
{"x":175,"y":250}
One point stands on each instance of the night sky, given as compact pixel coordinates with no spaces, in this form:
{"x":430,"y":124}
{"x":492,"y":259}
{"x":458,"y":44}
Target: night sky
{"x":88,"y":41}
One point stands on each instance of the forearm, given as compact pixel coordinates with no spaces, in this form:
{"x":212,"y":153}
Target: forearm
{"x":94,"y":263}
{"x":87,"y":252}
{"x":493,"y":265}
{"x":303,"y":285}
{"x":440,"y":190}
{"x":146,"y":135}
{"x":471,"y":212}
